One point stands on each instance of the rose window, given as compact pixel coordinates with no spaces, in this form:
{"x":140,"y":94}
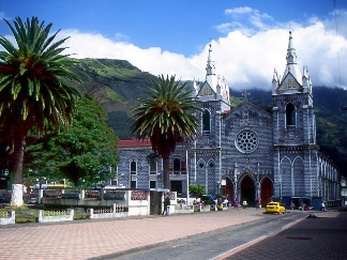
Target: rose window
{"x":246,"y":141}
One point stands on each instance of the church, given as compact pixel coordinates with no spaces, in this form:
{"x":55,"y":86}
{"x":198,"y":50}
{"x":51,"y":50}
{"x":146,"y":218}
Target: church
{"x":245,"y":153}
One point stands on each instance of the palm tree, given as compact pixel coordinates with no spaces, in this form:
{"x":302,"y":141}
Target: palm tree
{"x":166,"y":116}
{"x":34,"y":98}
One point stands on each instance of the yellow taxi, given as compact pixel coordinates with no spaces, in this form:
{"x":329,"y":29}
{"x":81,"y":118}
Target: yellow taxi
{"x":275,"y":207}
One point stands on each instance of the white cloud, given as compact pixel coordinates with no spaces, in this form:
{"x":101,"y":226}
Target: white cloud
{"x":245,"y":57}
{"x":121,"y":37}
{"x":153,"y":60}
{"x":253,"y":19}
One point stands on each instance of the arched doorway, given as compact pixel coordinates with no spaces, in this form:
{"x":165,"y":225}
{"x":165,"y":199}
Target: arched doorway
{"x":266,"y":191}
{"x":248,"y":191}
{"x":229,"y":189}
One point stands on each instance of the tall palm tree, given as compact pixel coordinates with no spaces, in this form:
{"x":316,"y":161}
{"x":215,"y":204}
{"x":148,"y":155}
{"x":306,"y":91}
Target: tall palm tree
{"x":166,"y":116}
{"x":34,"y":98}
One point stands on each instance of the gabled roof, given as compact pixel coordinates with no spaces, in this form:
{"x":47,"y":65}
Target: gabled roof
{"x":134,"y":143}
{"x":250,"y":106}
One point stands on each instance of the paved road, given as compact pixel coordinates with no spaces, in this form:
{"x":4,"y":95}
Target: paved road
{"x":88,"y":239}
{"x":212,"y":244}
{"x":92,"y":238}
{"x":321,"y":238}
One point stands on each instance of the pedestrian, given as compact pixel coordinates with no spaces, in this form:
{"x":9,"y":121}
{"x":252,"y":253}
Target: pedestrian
{"x":215,"y":204}
{"x":257,"y":203}
{"x":244,"y":203}
{"x":166,"y":205}
{"x":236,"y":204}
{"x":292,"y":205}
{"x":324,"y":208}
{"x":225,"y":203}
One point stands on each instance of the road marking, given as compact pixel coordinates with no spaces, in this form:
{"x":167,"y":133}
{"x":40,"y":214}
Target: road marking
{"x":238,"y":248}
{"x":248,"y":244}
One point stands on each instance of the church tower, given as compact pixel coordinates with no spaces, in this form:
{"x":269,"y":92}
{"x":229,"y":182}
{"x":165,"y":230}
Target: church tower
{"x":294,"y":130}
{"x":212,"y":97}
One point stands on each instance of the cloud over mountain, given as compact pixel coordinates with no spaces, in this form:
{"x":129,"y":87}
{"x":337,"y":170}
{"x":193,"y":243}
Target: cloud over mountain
{"x":250,"y":46}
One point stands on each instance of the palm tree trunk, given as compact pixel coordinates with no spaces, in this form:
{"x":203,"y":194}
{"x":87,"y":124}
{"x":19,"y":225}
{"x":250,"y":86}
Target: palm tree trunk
{"x":166,"y":171}
{"x":17,"y":160}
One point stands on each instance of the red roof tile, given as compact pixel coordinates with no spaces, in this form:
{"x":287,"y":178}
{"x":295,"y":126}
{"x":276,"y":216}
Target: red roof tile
{"x":134,"y":143}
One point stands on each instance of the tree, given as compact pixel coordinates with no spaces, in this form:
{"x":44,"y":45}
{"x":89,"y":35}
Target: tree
{"x":85,"y":154}
{"x":34,"y":97}
{"x":196,"y":190}
{"x":166,"y":116}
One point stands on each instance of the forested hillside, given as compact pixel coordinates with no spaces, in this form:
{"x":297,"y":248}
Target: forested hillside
{"x":117,"y":84}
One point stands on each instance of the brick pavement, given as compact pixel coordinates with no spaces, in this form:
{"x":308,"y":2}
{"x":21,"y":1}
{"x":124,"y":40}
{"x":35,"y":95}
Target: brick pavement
{"x":92,"y":238}
{"x":324,"y":237}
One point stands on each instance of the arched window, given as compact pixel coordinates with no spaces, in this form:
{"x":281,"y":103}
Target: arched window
{"x":290,"y":114}
{"x":133,"y":167}
{"x":152,"y":166}
{"x":177,"y":166}
{"x":206,"y":121}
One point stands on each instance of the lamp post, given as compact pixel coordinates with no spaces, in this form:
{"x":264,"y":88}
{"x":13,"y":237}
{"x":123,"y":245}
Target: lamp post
{"x":187,"y":176}
{"x":40,"y":192}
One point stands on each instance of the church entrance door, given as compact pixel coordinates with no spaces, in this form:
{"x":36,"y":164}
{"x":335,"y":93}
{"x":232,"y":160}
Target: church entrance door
{"x":229,"y":190}
{"x":248,"y":191}
{"x":266,"y":191}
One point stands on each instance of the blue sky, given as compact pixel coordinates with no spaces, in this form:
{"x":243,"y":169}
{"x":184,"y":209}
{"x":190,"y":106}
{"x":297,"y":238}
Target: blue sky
{"x":249,"y":37}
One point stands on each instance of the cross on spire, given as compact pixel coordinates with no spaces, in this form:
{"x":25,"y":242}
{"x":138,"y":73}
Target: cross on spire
{"x":246,"y":94}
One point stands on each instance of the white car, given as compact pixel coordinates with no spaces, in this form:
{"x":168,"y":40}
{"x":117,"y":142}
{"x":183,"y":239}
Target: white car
{"x":32,"y":201}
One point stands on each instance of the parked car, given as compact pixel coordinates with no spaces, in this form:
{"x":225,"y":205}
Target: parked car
{"x":275,"y":207}
{"x":32,"y":201}
{"x":5,"y":198}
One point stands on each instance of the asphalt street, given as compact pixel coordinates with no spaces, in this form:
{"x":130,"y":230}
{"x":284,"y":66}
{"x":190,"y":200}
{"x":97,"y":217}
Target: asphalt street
{"x":212,"y":244}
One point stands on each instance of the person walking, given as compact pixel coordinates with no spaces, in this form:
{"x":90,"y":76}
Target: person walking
{"x":324,"y":208}
{"x":236,"y":204}
{"x":166,"y":205}
{"x":244,"y":203}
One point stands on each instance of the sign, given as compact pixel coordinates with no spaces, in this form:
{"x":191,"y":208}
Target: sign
{"x":139,"y":195}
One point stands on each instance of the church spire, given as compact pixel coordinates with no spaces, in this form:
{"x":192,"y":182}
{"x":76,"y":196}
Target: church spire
{"x":210,"y":64}
{"x":213,"y":88}
{"x":211,"y":77}
{"x":292,"y":77}
{"x":291,"y":51}
{"x":293,"y":80}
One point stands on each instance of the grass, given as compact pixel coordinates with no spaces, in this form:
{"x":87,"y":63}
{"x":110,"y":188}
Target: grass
{"x":23,"y":213}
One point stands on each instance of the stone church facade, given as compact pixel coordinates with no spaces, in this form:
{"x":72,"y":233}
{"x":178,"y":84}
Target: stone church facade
{"x":245,"y":152}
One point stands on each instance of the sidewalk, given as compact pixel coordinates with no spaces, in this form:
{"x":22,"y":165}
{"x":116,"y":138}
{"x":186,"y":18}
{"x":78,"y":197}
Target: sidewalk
{"x":92,"y":238}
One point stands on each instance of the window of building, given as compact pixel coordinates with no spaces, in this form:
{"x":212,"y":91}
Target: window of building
{"x":133,"y":184}
{"x":152,"y":184}
{"x":177,"y":186}
{"x":183,"y":167}
{"x":152,"y":166}
{"x":133,"y":167}
{"x":246,"y":141}
{"x":206,"y":121}
{"x":177,"y":166}
{"x":290,"y":114}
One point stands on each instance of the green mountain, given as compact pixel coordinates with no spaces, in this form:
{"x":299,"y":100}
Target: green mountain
{"x":117,"y":84}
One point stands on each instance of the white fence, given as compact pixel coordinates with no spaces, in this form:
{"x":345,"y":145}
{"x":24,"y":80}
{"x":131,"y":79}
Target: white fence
{"x":8,"y":217}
